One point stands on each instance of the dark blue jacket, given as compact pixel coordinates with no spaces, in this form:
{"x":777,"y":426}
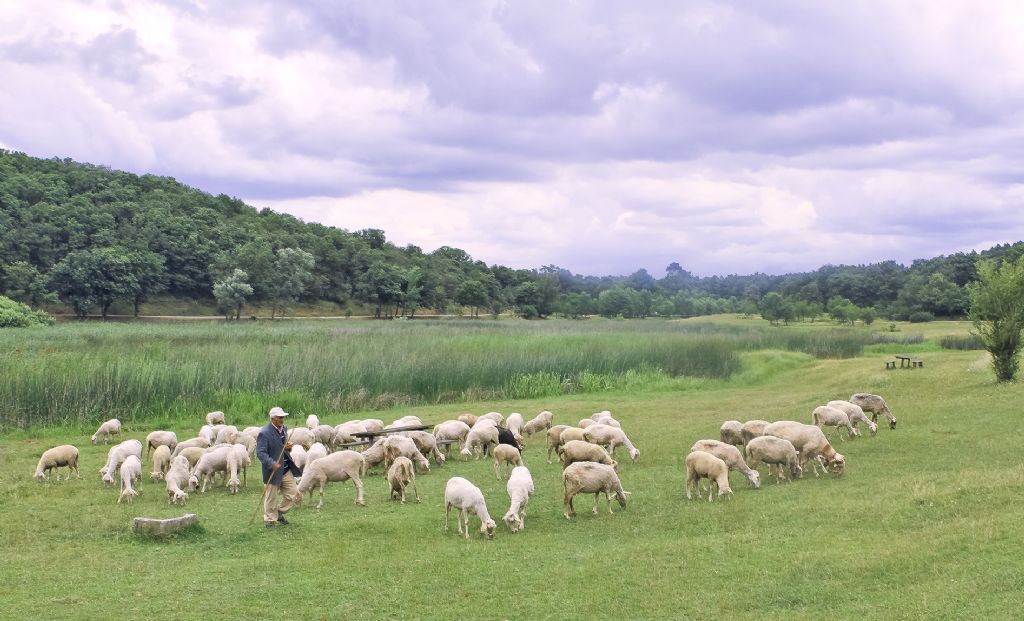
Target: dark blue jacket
{"x":268,"y":447}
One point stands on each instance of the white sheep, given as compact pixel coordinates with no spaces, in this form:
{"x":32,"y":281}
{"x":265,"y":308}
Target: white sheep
{"x":874,"y":404}
{"x":191,"y":455}
{"x":538,"y":423}
{"x":479,"y":440}
{"x":506,"y":454}
{"x":611,"y":438}
{"x":700,"y":465}
{"x":586,"y":422}
{"x":208,"y":465}
{"x":208,"y":433}
{"x":199,"y":441}
{"x":469,"y":419}
{"x":373,"y":455}
{"x":345,"y":432}
{"x":811,"y":443}
{"x":226,"y":434}
{"x":827,"y":416}
{"x":58,"y":457}
{"x":336,"y":467}
{"x":605,"y":418}
{"x":449,"y":432}
{"x":116,"y":456}
{"x":856,"y":415}
{"x":400,"y":445}
{"x":426,"y":443}
{"x":495,"y":416}
{"x":161,"y":438}
{"x":570,"y":433}
{"x":111,"y":427}
{"x":515,"y":423}
{"x":215,"y":418}
{"x":731,"y":456}
{"x":131,"y":471}
{"x":731,"y":432}
{"x":581,"y":450}
{"x":467,"y":498}
{"x":519,"y":488}
{"x":161,"y":462}
{"x":400,"y":475}
{"x":301,"y":435}
{"x":771,"y":450}
{"x":176,"y":479}
{"x":753,"y":429}
{"x":373,"y":424}
{"x":312,"y":421}
{"x":592,"y":478}
{"x":601,"y":414}
{"x":325,"y":434}
{"x":298,"y":456}
{"x":238,"y":459}
{"x":555,"y":438}
{"x":315,"y":452}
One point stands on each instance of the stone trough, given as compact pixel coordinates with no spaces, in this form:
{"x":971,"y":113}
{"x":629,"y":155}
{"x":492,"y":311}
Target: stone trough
{"x":161,"y":528}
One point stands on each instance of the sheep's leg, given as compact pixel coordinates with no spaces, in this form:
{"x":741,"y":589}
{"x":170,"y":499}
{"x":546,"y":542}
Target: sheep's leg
{"x":608,"y":499}
{"x":321,"y":503}
{"x":447,"y":509}
{"x":465,"y":523}
{"x":401,"y":489}
{"x":597,"y":497}
{"x":359,"y":491}
{"x":496,"y":470}
{"x":416,"y":489}
{"x":711,"y":490}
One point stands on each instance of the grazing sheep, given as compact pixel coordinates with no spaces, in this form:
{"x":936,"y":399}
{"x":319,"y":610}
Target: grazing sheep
{"x":58,"y":457}
{"x":192,"y":454}
{"x":469,"y":419}
{"x":825,"y":416}
{"x":874,"y":404}
{"x":855,"y":414}
{"x":315,"y":452}
{"x":301,"y":435}
{"x":345,"y":432}
{"x":772,"y":450}
{"x":591,"y":478}
{"x":605,"y":418}
{"x":580,"y":450}
{"x":199,"y":442}
{"x":731,"y":456}
{"x":519,"y":488}
{"x":701,"y":465}
{"x":177,"y":477}
{"x":811,"y":443}
{"x":161,"y":462}
{"x":373,"y":424}
{"x":238,"y":459}
{"x":731,"y":432}
{"x":312,"y":421}
{"x":207,"y":432}
{"x":451,"y":431}
{"x":406,"y":421}
{"x":514,"y":423}
{"x":495,"y":416}
{"x":555,"y":439}
{"x":161,"y":438}
{"x":570,"y":433}
{"x":373,"y":455}
{"x":324,"y":434}
{"x":538,"y":423}
{"x":215,"y":418}
{"x":467,"y":498}
{"x":753,"y":429}
{"x":611,"y":438}
{"x":208,"y":465}
{"x":506,"y":454}
{"x":116,"y":456}
{"x":110,"y":428}
{"x":602,"y":414}
{"x":336,"y":467}
{"x":227,"y":434}
{"x":586,"y":422}
{"x":298,"y":456}
{"x":426,"y":443}
{"x":479,"y":440}
{"x":131,"y":471}
{"x":401,"y":474}
{"x":401,"y":445}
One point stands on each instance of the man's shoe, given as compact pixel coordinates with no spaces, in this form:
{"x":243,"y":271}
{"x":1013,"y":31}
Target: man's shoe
{"x":282,"y":521}
{"x":269,"y":524}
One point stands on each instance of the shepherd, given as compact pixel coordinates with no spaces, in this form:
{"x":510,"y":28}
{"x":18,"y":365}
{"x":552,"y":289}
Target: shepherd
{"x":280,"y":492}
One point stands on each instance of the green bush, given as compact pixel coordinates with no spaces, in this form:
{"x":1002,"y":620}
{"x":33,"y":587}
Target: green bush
{"x":961,"y":342}
{"x":921,"y":317}
{"x":17,"y":315}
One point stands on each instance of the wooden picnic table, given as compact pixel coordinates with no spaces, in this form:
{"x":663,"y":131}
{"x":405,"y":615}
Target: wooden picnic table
{"x":370,"y":435}
{"x":906,"y":361}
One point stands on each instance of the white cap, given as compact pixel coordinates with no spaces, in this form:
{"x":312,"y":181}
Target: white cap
{"x":276,"y":411}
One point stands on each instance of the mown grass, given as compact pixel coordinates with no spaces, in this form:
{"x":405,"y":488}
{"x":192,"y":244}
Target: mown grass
{"x":88,"y":372}
{"x":925,"y":524}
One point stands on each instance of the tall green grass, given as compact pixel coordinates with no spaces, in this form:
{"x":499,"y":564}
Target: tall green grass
{"x":78,"y":373}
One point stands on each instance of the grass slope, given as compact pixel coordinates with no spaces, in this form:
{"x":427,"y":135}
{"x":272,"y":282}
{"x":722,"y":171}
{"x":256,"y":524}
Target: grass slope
{"x":925,"y":525}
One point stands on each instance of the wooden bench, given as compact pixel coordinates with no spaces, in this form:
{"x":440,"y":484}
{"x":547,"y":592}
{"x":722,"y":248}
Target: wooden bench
{"x":906,"y":362}
{"x":890,"y":364}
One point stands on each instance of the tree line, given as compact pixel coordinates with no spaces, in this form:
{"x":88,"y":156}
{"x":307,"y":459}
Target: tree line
{"x":88,"y":237}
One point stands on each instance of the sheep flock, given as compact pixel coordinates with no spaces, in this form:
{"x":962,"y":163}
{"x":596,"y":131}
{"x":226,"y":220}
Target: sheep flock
{"x":591,"y":454}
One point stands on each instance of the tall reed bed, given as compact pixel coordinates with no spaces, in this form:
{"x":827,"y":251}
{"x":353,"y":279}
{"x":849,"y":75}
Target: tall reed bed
{"x":76,"y":373}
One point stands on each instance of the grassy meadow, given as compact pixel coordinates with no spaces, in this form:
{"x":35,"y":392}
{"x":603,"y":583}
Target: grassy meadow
{"x":924,"y":525}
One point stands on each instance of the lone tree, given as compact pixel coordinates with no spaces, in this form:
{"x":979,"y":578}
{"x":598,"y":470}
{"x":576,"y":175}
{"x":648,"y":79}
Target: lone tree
{"x":997,"y":310}
{"x":232,"y":292}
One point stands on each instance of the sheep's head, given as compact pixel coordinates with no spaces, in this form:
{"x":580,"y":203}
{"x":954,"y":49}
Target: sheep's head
{"x":487,"y":528}
{"x":193,"y":481}
{"x":440,"y":458}
{"x":892,"y":423}
{"x":634,"y":454}
{"x":40,"y":475}
{"x":180,"y":497}
{"x":795,"y":469}
{"x":107,"y":479}
{"x":873,"y":427}
{"x":514,"y":523}
{"x":755,"y":479}
{"x":837,"y":464}
{"x":94,"y":438}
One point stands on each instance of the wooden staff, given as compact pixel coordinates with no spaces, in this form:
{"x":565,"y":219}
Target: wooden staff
{"x":266,"y":486}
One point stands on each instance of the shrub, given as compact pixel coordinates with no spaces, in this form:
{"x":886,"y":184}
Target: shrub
{"x":921,"y":317}
{"x":17,"y":315}
{"x":962,"y":342}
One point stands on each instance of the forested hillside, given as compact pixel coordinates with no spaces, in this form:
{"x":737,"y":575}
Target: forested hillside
{"x":88,"y":237}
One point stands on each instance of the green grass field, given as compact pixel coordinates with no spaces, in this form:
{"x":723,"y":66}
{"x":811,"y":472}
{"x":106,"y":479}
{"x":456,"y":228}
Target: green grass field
{"x":925,"y":524}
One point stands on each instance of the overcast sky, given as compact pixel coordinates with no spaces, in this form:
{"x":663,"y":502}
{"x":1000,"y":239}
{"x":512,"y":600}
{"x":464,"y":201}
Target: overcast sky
{"x":602,"y":137}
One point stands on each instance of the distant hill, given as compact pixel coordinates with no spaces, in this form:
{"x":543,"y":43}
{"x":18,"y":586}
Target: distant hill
{"x":90,"y":237}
